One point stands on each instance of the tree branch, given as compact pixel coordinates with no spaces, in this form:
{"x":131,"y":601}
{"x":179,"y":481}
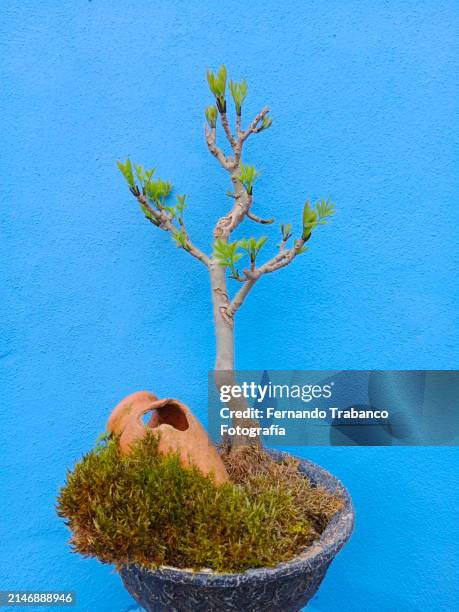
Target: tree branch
{"x":192,"y":249}
{"x":240,"y":296}
{"x":253,"y":126}
{"x":243,"y":135}
{"x":258,"y":219}
{"x":280,"y":260}
{"x":226,"y":127}
{"x":211,"y":139}
{"x":242,"y":202}
{"x":238,"y":126}
{"x":164,"y":222}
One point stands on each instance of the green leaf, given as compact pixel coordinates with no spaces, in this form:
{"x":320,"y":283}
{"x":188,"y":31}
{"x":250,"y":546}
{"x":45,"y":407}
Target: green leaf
{"x":238,"y":93}
{"x":314,"y":217}
{"x":226,"y":254}
{"x":221,"y":79}
{"x":265,"y":124}
{"x":247,"y":176}
{"x":261,"y":242}
{"x":286,"y":231}
{"x":309,"y":220}
{"x":243,"y":89}
{"x":252,"y":246}
{"x":211,"y":82}
{"x":172,"y":211}
{"x":325,"y":208}
{"x":217,"y":85}
{"x":126,"y":171}
{"x":139,"y":172}
{"x":211,"y":115}
{"x":158,"y":191}
{"x":180,"y":239}
{"x":181,"y":202}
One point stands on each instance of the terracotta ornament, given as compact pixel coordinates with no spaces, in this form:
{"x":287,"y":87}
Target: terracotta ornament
{"x":180,"y":431}
{"x":131,"y":404}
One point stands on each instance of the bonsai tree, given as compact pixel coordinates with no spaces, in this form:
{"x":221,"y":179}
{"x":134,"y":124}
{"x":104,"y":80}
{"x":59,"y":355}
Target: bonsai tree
{"x":143,"y":508}
{"x":238,"y":260}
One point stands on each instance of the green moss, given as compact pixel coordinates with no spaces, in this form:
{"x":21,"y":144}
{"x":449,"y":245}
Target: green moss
{"x":147,"y":508}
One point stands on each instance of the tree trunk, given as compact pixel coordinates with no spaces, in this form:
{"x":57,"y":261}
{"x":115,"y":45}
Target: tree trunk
{"x":224,"y":362}
{"x":224,"y":325}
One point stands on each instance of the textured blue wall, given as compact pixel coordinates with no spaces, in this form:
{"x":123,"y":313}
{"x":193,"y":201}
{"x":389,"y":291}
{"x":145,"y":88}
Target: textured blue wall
{"x":96,"y":303}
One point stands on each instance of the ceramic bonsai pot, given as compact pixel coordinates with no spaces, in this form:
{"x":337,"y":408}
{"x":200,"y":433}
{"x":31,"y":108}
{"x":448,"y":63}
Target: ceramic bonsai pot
{"x":285,"y":588}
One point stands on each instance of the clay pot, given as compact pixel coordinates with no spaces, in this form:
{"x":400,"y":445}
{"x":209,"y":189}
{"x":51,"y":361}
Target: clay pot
{"x":180,"y":431}
{"x":130,"y":405}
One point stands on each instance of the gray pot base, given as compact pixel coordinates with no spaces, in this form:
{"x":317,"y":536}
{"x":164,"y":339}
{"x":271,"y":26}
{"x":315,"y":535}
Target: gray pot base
{"x":284,"y":588}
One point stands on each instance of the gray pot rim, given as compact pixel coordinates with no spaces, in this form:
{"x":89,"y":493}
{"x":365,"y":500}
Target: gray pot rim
{"x":332,"y":539}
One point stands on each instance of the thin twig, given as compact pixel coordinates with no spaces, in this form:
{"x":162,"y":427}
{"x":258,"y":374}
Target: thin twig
{"x":238,"y":126}
{"x":253,"y":126}
{"x":258,"y":219}
{"x":252,"y":129}
{"x":226,"y":127}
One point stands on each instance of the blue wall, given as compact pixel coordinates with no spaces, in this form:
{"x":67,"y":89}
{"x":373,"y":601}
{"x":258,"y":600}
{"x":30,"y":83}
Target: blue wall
{"x":96,"y":303}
